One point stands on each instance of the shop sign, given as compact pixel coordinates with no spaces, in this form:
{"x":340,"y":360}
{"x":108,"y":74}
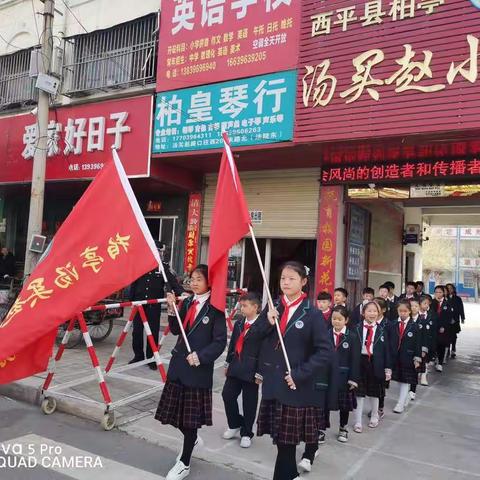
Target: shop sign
{"x":330,"y":199}
{"x":256,"y":217}
{"x":395,"y":172}
{"x":446,"y":232}
{"x":356,"y":243}
{"x":412,"y":234}
{"x":378,"y":68}
{"x":193,"y":232}
{"x":355,"y":261}
{"x":470,"y":232}
{"x":253,"y":111}
{"x":80,"y":139}
{"x":470,"y":262}
{"x":207,"y":41}
{"x":437,"y":191}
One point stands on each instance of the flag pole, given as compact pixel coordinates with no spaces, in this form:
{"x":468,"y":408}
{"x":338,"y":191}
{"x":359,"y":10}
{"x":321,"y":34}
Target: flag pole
{"x":270,"y":300}
{"x":179,"y":320}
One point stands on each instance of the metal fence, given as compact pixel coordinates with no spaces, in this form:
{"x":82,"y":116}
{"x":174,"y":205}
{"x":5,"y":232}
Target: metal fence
{"x":119,"y":57}
{"x":16,"y":87}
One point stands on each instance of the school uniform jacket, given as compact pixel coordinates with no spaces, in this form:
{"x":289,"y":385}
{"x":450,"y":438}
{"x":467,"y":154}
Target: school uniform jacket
{"x":444,"y":320}
{"x":310,"y":354}
{"x":348,"y":359}
{"x":392,"y":308}
{"x":381,"y":357}
{"x":458,"y":312}
{"x":403,"y":352}
{"x":246,"y":366}
{"x":207,"y":337}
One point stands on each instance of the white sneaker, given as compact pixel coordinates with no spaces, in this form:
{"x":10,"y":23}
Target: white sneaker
{"x":198,"y":443}
{"x":178,"y":472}
{"x":230,"y":433}
{"x":439,"y":368}
{"x":305,"y":465}
{"x":246,"y":442}
{"x":412,"y":395}
{"x":423,"y":380}
{"x":399,"y":408}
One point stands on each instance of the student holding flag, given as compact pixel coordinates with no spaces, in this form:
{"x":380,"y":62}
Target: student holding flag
{"x":292,"y":407}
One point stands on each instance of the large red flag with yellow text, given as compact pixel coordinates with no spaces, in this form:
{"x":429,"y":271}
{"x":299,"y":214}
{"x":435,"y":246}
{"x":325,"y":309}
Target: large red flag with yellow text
{"x":103,"y":245}
{"x":230,"y":223}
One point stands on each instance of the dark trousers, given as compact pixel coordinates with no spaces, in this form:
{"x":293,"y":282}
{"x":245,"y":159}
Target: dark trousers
{"x":310,"y":451}
{"x":286,"y":463}
{"x":441,"y":349}
{"x":454,"y":342}
{"x":231,"y":391}
{"x":153,"y":313}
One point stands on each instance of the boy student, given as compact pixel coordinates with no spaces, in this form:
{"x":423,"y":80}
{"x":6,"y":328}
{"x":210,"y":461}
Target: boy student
{"x":419,"y":288}
{"x":340,"y":296}
{"x":324,"y":304}
{"x":410,"y":291}
{"x":240,"y":369}
{"x":368,"y":295}
{"x":392,"y":300}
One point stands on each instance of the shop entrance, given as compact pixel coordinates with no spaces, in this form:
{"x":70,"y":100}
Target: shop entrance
{"x":163,"y":229}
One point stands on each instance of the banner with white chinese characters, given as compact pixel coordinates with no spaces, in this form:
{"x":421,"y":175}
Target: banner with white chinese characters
{"x":80,"y":139}
{"x":253,"y":111}
{"x":207,"y":41}
{"x":373,"y":68}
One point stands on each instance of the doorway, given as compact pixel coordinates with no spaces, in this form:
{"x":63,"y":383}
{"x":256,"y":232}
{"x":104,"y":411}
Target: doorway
{"x":163,"y":229}
{"x":409,"y":266}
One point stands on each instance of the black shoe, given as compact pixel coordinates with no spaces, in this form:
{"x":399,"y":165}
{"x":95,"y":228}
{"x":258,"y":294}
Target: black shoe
{"x":135,"y":360}
{"x":453,"y":355}
{"x":152,"y":365}
{"x":321,"y":437}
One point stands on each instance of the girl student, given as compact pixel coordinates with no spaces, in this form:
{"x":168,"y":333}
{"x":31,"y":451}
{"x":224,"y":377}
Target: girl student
{"x":429,"y":319}
{"x":382,"y":322}
{"x":292,"y":406}
{"x":459,"y":316}
{"x":374,"y":364}
{"x":421,"y":322}
{"x":347,"y":371}
{"x":406,"y":351}
{"x":445,"y":318}
{"x":186,"y":401}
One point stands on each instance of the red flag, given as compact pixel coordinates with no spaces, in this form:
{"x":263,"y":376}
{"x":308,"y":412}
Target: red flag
{"x":102,"y":246}
{"x":230,"y":223}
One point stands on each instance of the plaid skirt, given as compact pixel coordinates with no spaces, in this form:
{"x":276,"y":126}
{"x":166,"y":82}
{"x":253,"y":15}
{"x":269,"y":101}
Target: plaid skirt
{"x":290,"y":425}
{"x":347,"y":400}
{"x":369,"y":385}
{"x":184,"y":407}
{"x":405,"y":374}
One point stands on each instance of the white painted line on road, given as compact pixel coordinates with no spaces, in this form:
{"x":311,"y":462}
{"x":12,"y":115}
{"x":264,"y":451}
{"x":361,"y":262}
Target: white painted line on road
{"x":418,"y":462}
{"x":58,"y":457}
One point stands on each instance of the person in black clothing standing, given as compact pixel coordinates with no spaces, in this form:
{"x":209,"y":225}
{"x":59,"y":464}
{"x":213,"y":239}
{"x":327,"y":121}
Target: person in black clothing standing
{"x":150,"y":286}
{"x":445,"y":314}
{"x":458,"y":316}
{"x":7,"y":263}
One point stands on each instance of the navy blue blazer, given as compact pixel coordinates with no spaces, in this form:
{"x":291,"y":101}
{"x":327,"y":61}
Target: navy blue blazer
{"x":245,"y":367}
{"x":402,"y":353}
{"x":310,"y":354}
{"x":356,"y":315}
{"x":348,"y":359}
{"x":445,"y":320}
{"x":207,"y":337}
{"x":381,"y":357}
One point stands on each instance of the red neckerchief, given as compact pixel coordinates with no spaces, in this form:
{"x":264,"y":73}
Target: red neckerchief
{"x":286,"y":310}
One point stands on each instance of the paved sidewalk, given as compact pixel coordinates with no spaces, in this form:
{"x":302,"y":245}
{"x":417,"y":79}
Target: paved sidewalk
{"x":437,"y":437}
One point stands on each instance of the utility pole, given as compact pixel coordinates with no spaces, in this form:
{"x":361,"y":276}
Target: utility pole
{"x":35,"y":217}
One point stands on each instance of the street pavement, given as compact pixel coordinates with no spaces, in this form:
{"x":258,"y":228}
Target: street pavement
{"x":436,"y":438}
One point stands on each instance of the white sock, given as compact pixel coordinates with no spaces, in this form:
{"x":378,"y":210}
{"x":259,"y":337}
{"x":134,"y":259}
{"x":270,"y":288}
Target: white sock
{"x":374,"y":402}
{"x":404,"y":388}
{"x":359,"y":410}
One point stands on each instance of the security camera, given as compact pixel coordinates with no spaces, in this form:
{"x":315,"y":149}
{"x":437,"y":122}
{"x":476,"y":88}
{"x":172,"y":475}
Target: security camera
{"x":34,"y":112}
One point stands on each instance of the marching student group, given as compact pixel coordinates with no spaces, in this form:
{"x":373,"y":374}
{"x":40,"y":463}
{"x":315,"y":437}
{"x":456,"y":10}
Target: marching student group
{"x":338,"y":358}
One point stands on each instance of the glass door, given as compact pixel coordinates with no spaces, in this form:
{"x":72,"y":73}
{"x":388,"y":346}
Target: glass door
{"x":163,"y":229}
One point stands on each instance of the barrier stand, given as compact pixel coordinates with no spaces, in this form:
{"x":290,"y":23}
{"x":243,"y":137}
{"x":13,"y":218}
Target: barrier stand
{"x":49,"y":403}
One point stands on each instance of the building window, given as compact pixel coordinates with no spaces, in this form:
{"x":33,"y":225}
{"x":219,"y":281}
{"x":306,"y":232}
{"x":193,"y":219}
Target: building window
{"x":119,"y":57}
{"x":17,"y":88}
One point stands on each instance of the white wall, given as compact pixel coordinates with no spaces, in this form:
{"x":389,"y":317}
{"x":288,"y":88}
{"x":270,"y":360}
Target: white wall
{"x":413,"y":215}
{"x":17,"y":18}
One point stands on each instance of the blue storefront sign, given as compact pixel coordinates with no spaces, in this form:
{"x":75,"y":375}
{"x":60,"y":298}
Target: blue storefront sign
{"x":253,"y":111}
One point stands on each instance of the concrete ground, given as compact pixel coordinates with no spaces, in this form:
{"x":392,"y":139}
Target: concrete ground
{"x":437,"y":437}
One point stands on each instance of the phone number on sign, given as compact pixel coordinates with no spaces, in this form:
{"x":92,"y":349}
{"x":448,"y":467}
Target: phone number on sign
{"x":203,"y":67}
{"x":92,"y":166}
{"x":249,"y":58}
